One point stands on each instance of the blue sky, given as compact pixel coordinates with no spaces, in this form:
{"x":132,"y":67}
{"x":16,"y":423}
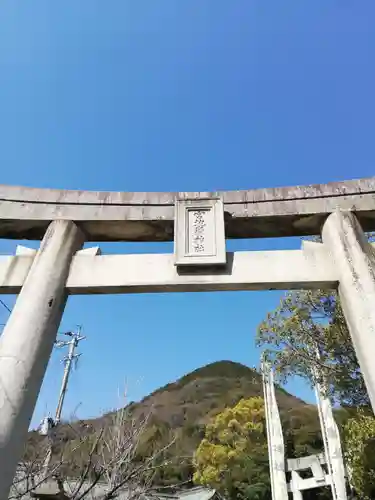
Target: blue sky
{"x":179,"y":95}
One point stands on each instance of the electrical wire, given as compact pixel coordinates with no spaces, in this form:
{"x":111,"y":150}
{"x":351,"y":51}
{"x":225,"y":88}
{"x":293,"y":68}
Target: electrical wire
{"x":6,"y":307}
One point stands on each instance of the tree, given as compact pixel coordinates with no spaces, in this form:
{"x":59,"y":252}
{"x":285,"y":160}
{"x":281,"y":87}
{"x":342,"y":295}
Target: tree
{"x":307,"y":323}
{"x":232,"y":457}
{"x":359,"y":436}
{"x":104,"y":459}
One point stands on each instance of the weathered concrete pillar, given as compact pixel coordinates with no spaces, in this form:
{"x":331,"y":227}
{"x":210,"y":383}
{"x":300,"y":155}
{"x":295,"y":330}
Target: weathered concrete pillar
{"x":275,"y":440}
{"x":27,"y":341}
{"x":332,"y":444}
{"x":355,"y":261}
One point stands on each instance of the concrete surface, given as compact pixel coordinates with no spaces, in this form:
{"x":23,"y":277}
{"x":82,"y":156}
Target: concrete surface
{"x":27,"y":341}
{"x":119,"y":216}
{"x":199,"y":238}
{"x":309,"y":268}
{"x":332,"y":444}
{"x":355,"y":262}
{"x":275,"y":439}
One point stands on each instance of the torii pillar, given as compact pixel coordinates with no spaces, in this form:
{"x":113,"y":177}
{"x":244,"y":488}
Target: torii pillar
{"x":355,"y":262}
{"x":27,"y":341}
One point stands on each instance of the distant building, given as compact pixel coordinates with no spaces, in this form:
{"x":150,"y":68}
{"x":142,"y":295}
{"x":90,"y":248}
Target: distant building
{"x":49,"y":491}
{"x":197,"y":493}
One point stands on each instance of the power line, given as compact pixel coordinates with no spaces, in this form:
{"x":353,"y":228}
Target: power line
{"x":6,"y":307}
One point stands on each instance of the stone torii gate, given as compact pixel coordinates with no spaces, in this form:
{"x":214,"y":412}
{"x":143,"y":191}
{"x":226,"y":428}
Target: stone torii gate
{"x":64,"y":220}
{"x":332,"y":456}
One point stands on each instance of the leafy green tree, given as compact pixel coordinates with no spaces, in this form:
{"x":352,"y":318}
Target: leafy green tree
{"x":359,"y":436}
{"x":308,"y":322}
{"x":232,"y":457}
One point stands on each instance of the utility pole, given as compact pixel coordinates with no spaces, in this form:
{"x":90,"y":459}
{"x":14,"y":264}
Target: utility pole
{"x":48,"y":423}
{"x":73,"y":343}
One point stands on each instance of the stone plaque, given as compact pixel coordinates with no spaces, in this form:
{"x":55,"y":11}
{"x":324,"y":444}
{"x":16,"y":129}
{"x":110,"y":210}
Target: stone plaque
{"x":199,"y":235}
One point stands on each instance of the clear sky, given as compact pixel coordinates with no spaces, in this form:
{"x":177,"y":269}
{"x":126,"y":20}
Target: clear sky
{"x":179,"y":95}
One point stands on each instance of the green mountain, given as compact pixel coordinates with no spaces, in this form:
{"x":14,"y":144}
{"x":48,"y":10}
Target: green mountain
{"x":180,"y":411}
{"x":199,"y":395}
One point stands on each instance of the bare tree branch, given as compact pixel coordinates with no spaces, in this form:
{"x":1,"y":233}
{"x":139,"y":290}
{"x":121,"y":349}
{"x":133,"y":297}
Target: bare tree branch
{"x":111,"y":462}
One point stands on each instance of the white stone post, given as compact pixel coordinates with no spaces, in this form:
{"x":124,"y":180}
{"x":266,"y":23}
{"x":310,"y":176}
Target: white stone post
{"x":275,"y":440}
{"x":296,"y":486}
{"x":27,"y":341}
{"x":332,"y":444}
{"x":355,"y":261}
